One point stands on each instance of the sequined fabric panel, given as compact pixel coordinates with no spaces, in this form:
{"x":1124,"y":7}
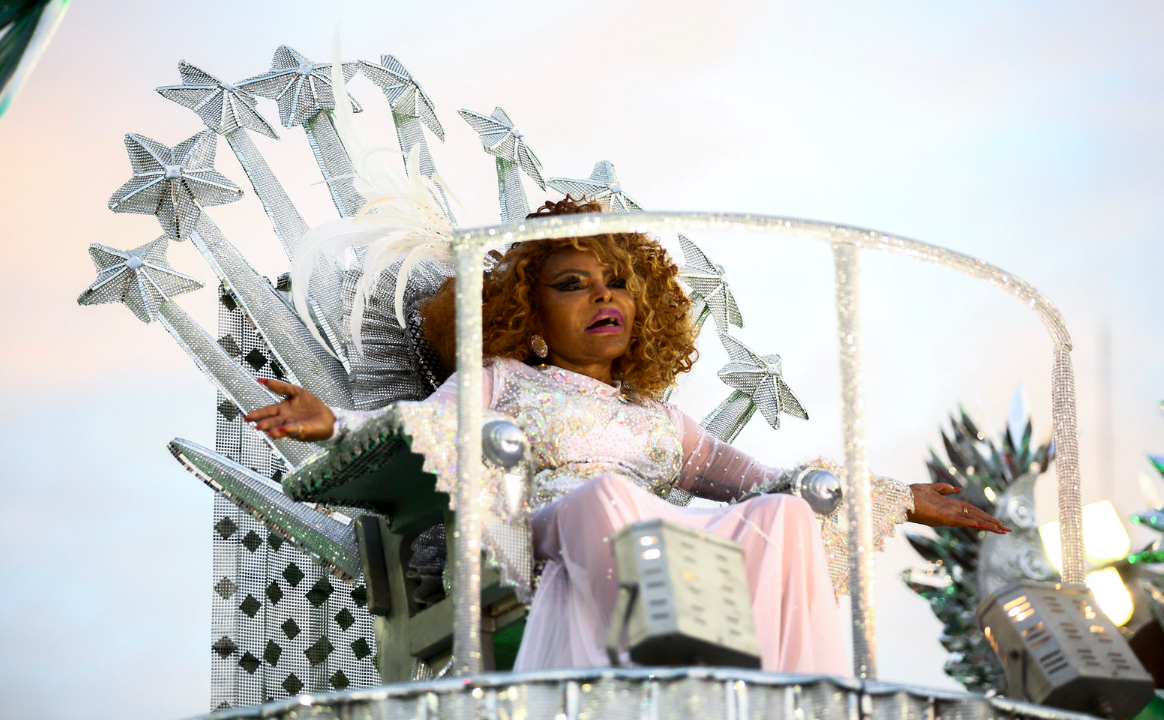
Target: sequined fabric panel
{"x":579,"y":428}
{"x":280,"y":626}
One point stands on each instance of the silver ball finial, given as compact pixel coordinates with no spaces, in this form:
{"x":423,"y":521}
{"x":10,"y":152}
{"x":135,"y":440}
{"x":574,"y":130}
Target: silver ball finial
{"x":503,"y":443}
{"x":821,"y":490}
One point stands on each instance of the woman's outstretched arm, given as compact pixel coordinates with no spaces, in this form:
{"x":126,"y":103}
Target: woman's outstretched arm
{"x":715,"y":470}
{"x":303,"y":416}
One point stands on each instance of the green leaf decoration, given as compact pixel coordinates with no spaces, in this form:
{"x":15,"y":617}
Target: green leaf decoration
{"x":983,"y":468}
{"x":26,"y":26}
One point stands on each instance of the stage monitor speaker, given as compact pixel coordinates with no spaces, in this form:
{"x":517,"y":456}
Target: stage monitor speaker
{"x":683,"y":598}
{"x":1059,"y":649}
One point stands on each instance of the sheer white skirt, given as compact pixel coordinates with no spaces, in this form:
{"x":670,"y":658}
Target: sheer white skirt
{"x":792,"y":597}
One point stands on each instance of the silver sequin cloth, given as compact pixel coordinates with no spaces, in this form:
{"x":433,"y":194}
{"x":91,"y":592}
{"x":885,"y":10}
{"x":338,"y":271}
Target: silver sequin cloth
{"x":578,"y":428}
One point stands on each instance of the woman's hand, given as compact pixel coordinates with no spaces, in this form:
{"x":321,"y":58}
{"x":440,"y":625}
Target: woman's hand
{"x":301,"y":416}
{"x":933,"y":506}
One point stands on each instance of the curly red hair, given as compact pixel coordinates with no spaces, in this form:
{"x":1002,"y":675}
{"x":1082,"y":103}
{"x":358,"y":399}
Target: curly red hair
{"x":662,"y":341}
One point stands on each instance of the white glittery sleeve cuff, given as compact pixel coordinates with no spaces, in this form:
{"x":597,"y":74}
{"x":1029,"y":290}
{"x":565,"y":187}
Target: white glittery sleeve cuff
{"x":347,"y":421}
{"x":892,"y":502}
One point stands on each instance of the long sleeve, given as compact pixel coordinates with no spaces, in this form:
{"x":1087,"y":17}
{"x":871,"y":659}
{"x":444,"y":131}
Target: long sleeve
{"x":348,"y":420}
{"x":713,"y":469}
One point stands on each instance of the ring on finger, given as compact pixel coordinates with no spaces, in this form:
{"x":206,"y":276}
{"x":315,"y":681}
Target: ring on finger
{"x":298,"y":429}
{"x":965,"y":511}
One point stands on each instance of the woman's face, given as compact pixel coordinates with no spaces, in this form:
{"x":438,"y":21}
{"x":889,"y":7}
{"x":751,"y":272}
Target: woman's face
{"x":585,"y":312}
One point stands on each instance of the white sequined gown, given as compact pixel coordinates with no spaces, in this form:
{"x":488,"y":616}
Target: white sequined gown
{"x":605,"y":459}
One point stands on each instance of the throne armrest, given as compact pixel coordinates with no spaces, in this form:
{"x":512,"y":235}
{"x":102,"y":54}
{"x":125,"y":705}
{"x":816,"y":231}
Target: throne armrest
{"x":373,"y":467}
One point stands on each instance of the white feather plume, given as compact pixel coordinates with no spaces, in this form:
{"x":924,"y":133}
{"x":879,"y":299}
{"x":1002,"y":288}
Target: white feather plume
{"x":404,"y":219}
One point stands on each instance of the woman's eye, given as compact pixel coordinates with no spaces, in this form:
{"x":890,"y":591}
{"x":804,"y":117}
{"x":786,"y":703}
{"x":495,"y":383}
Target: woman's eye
{"x":617,"y":284}
{"x":568,"y":285}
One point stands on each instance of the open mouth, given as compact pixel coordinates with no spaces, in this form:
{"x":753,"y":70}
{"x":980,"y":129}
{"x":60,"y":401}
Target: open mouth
{"x":606,"y":321}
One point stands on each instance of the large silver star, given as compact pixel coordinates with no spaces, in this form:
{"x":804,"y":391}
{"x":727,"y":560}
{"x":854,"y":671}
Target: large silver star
{"x":502,"y":139}
{"x":173,"y":183}
{"x":760,"y":378}
{"x":602,"y":186}
{"x":302,"y":88}
{"x":707,"y":280}
{"x":141,"y":278}
{"x":405,"y":96}
{"x":222,"y":106}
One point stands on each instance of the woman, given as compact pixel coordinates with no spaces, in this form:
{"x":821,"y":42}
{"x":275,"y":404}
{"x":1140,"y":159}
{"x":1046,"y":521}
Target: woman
{"x":582,"y":336}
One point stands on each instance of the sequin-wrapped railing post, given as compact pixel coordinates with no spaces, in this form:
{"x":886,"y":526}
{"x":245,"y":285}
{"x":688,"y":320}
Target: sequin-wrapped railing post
{"x":1062,"y":390}
{"x":858,"y":488}
{"x":467,"y":538}
{"x":1066,"y":436}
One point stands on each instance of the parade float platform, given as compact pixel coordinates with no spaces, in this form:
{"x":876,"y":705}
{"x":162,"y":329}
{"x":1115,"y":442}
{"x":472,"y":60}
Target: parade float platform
{"x":648,"y":694}
{"x":279,"y":626}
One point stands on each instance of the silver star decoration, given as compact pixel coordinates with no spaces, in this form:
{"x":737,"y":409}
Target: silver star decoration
{"x":173,"y":183}
{"x":505,"y":141}
{"x":405,"y":96}
{"x":302,"y":88}
{"x":222,"y":106}
{"x":760,"y":378}
{"x":710,"y":289}
{"x":602,"y":186}
{"x":141,"y":278}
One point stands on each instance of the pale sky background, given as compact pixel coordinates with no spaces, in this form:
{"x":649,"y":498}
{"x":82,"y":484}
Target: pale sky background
{"x":1024,"y":133}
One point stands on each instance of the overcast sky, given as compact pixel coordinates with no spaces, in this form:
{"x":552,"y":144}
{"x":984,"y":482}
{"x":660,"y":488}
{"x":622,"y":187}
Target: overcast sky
{"x":1026,"y":134}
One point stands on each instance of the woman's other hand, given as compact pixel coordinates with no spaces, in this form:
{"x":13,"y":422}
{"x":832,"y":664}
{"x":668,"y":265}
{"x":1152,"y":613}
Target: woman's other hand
{"x":934,"y":506}
{"x":302,"y":416}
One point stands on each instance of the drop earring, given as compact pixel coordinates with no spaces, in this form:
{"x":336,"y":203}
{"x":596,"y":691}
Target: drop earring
{"x":539,"y":347}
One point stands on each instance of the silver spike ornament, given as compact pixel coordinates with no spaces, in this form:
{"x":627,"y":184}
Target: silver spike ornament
{"x":289,"y":340}
{"x":506,"y":143}
{"x":329,"y":541}
{"x":305,"y":96}
{"x":143,"y":280}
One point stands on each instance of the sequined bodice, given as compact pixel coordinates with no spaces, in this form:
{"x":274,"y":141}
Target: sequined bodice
{"x":579,"y":428}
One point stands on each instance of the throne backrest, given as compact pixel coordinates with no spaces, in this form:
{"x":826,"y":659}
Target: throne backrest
{"x":397,"y":363}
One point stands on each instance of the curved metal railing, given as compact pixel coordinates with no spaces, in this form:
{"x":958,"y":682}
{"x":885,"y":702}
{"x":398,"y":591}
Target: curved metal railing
{"x":847,"y":243}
